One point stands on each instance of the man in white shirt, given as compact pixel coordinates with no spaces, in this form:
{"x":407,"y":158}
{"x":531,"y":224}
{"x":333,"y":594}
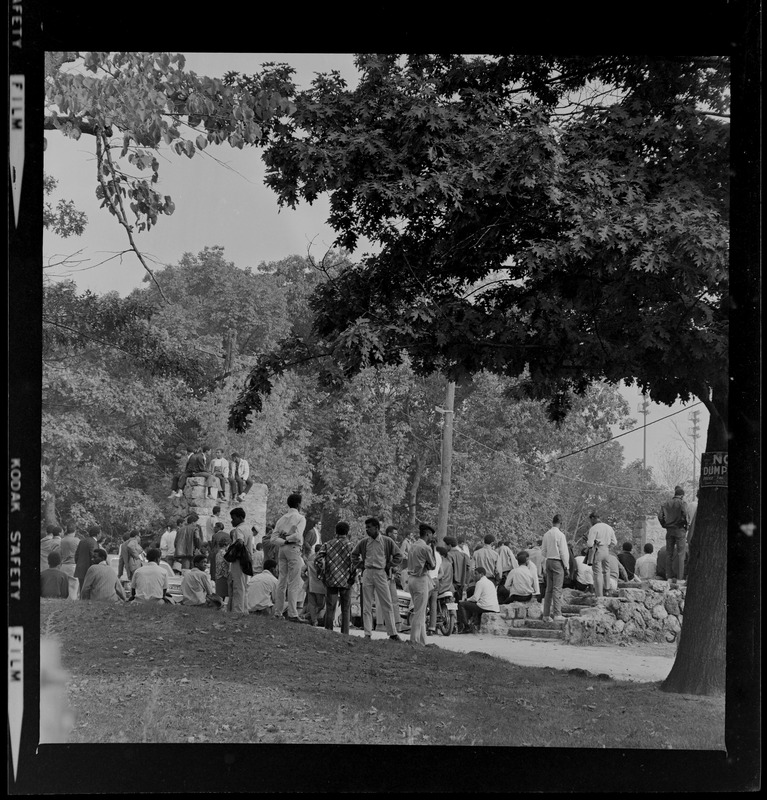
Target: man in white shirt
{"x":556,"y":558}
{"x":219,"y":466}
{"x":168,"y":545}
{"x":262,"y":589}
{"x":521,"y":583}
{"x":196,"y":588}
{"x":584,"y":575}
{"x":484,"y":600}
{"x":646,"y":565}
{"x":240,"y":480}
{"x":289,"y":534}
{"x":149,"y":583}
{"x":604,"y":535}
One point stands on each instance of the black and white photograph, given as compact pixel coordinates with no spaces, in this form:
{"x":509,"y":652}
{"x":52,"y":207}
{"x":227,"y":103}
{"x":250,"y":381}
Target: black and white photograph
{"x":365,"y":399}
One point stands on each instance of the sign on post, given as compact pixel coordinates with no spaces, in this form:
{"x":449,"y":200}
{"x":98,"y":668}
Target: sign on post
{"x":713,"y":470}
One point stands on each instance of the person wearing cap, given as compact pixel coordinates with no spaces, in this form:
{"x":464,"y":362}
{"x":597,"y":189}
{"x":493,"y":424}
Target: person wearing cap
{"x":376,"y":555}
{"x":420,"y":559}
{"x":601,"y":534}
{"x":288,"y":534}
{"x":84,"y":553}
{"x":674,"y":517}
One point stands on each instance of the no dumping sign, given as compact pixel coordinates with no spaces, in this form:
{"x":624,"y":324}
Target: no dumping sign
{"x":713,"y":470}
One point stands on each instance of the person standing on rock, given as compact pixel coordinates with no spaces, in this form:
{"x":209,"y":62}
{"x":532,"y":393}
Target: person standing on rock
{"x":556,"y":558}
{"x":673,"y":516}
{"x":420,"y":560}
{"x":288,"y":534}
{"x":601,"y":534}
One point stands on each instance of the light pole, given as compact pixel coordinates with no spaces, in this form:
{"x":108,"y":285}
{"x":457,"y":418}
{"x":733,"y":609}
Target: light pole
{"x":644,"y":409}
{"x":447,"y":461}
{"x":695,"y":433}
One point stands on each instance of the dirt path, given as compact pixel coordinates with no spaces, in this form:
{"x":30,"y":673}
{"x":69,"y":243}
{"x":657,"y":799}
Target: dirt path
{"x":640,"y":663}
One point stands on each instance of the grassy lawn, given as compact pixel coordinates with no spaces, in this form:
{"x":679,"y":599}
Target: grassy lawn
{"x":168,"y":674}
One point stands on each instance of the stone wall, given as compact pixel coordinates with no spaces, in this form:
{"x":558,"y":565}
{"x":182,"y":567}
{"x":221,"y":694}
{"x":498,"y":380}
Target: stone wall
{"x":196,"y":501}
{"x":651,"y":612}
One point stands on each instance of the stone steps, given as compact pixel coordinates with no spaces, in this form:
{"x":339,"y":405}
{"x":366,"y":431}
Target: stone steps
{"x":535,"y":633}
{"x":542,"y":625}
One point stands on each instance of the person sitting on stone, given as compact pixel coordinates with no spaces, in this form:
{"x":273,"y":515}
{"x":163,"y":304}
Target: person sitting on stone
{"x":520,"y":585}
{"x":483,"y":600}
{"x":53,"y":581}
{"x":240,"y":480}
{"x":195,"y":586}
{"x":584,"y":574}
{"x":197,"y":467}
{"x":182,"y":459}
{"x":219,"y":466}
{"x":617,"y":572}
{"x":660,"y":564}
{"x":101,"y":582}
{"x":149,"y":583}
{"x":627,"y":559}
{"x":646,"y":565}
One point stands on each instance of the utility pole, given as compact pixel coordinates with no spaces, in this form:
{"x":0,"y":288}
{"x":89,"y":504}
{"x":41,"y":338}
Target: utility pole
{"x":446,"y":461}
{"x":695,"y":433}
{"x":644,"y":409}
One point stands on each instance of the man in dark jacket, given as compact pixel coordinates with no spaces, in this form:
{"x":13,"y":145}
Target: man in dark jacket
{"x":627,"y":559}
{"x":673,"y":517}
{"x":188,"y":540}
{"x":84,"y":551}
{"x":198,"y":467}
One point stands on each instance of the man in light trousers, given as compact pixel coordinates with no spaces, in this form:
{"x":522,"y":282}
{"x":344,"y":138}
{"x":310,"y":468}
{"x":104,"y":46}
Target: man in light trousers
{"x":289,"y":534}
{"x":420,"y":560}
{"x":556,"y":558}
{"x":602,"y":533}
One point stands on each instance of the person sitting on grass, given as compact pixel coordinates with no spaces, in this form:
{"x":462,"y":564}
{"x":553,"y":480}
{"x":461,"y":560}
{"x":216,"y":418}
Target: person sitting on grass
{"x":53,"y":581}
{"x":101,"y":581}
{"x":149,"y":583}
{"x":484,"y":600}
{"x":262,"y":589}
{"x":195,"y":586}
{"x":520,"y":586}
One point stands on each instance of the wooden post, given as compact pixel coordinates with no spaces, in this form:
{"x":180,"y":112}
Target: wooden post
{"x":447,"y":463}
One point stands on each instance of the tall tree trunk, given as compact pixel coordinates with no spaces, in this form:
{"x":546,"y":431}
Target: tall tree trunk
{"x":699,"y":667}
{"x":49,"y":504}
{"x":412,"y":493}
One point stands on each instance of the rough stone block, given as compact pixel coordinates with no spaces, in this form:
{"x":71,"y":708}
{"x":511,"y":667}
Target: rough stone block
{"x":671,"y":623}
{"x":193,"y":493}
{"x":619,"y":626}
{"x":638,"y":618}
{"x":635,"y":595}
{"x":519,"y":610}
{"x":195,"y":482}
{"x":611,"y":604}
{"x":672,"y":604}
{"x":534,"y":611}
{"x":518,"y":623}
{"x":505,"y":612}
{"x":659,"y":586}
{"x":493,"y":624}
{"x":659,"y":612}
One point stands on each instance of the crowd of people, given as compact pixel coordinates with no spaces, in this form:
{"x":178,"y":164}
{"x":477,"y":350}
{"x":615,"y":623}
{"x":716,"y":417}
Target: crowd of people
{"x":290,"y":575}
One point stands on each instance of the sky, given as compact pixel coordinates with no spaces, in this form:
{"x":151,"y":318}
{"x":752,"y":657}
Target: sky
{"x":221,"y":200}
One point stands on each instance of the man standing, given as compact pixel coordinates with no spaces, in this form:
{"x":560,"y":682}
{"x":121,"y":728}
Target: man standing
{"x":100,"y":582}
{"x":431,"y":621}
{"x":506,"y":561}
{"x":288,"y":533}
{"x":53,"y":582}
{"x":315,"y":591}
{"x":674,"y":518}
{"x":487,"y":558}
{"x":48,"y":544}
{"x":460,"y":562}
{"x":601,"y":534}
{"x":238,"y":578}
{"x":556,"y":557}
{"x":376,"y":556}
{"x":69,"y":542}
{"x":334,"y":563}
{"x":168,"y":544}
{"x":419,"y":561}
{"x":149,"y":583}
{"x":262,"y":589}
{"x":84,"y":551}
{"x":188,"y":539}
{"x":219,"y":466}
{"x":484,"y":600}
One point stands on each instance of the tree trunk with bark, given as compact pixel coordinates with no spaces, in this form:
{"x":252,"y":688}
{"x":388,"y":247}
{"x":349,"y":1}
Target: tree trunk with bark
{"x":700,"y":664}
{"x":412,"y":493}
{"x":49,"y":504}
